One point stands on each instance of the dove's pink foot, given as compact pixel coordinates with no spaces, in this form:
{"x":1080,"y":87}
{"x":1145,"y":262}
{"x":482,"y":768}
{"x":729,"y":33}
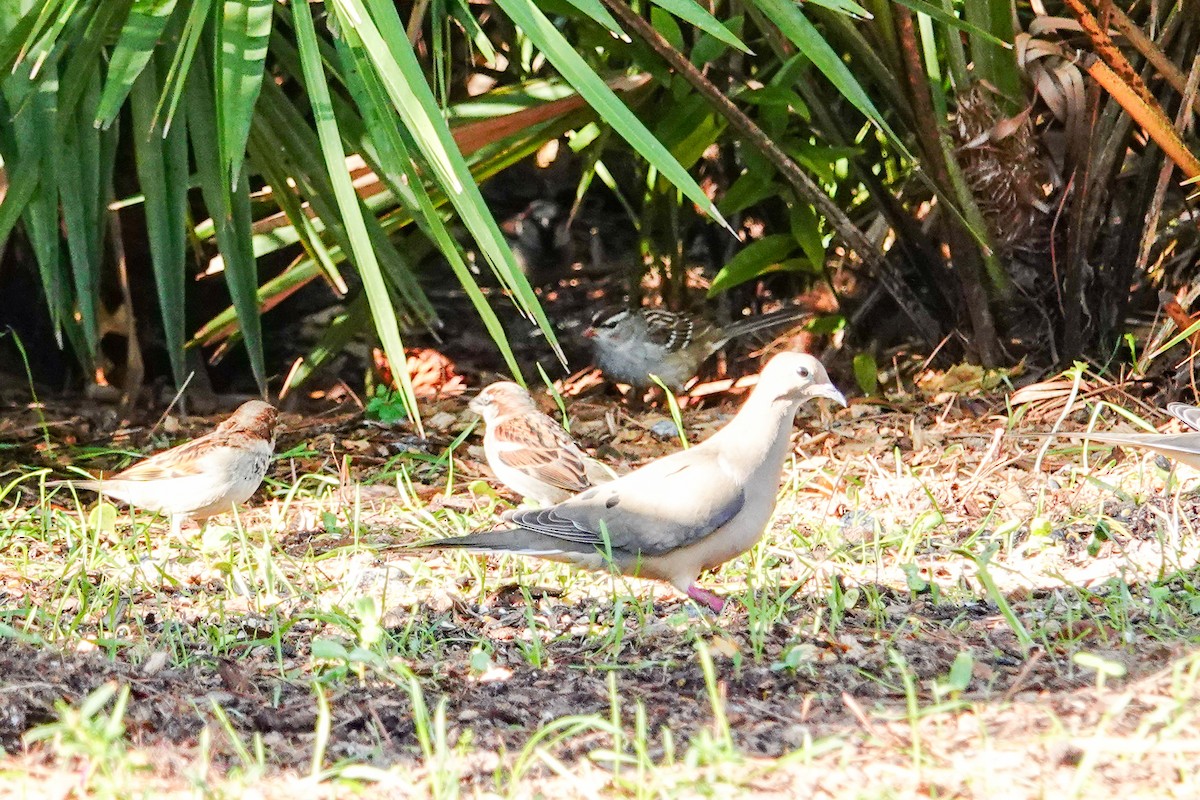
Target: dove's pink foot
{"x":707,"y":598}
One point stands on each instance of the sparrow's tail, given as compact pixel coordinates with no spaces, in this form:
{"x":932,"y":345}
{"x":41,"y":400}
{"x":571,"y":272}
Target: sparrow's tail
{"x":597,"y":472}
{"x":764,"y":322}
{"x":1183,"y":447}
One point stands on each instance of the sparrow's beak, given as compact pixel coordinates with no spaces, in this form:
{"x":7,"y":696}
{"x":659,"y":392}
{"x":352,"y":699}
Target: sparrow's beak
{"x":589,"y":332}
{"x":829,"y":391}
{"x":475,"y":405}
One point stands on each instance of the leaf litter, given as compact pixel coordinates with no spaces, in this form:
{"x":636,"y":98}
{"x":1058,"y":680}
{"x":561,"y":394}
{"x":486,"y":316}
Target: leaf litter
{"x":864,"y":654}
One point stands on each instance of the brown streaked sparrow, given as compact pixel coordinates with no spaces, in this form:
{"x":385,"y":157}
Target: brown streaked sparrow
{"x":204,"y":477}
{"x":682,"y":514}
{"x":630,"y":345}
{"x":528,"y":451}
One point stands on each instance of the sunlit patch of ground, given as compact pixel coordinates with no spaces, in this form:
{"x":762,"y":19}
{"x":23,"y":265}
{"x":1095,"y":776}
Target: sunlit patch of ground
{"x":928,"y":616}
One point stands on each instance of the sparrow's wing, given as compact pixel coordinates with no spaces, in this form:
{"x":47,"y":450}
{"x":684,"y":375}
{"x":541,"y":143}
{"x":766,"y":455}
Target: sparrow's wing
{"x":667,"y":504}
{"x":671,"y":330}
{"x":183,"y":461}
{"x":539,"y":447}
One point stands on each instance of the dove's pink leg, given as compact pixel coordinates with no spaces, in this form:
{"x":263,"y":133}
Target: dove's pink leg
{"x":705,"y":597}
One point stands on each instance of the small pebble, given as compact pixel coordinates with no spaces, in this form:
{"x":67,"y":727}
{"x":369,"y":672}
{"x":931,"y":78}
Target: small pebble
{"x":664,"y":429}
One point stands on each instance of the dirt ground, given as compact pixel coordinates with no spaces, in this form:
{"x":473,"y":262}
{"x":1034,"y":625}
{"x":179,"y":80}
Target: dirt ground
{"x":863,"y":655}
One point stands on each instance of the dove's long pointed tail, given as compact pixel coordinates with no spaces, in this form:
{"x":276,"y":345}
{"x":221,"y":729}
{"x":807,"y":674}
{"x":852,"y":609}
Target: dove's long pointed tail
{"x":512,"y":540}
{"x":1182,"y":447}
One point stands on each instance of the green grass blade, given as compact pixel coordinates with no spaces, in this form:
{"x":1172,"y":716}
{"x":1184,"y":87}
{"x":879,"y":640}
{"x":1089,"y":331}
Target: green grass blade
{"x":43,"y":39}
{"x":83,"y":206}
{"x":239,"y":59}
{"x":274,"y":172}
{"x":753,"y":260}
{"x":691,"y":12}
{"x":401,"y":75}
{"x":373,"y":284}
{"x":994,"y":59}
{"x":397,"y":168}
{"x":282,"y":127}
{"x":161,"y":163}
{"x":139,"y":36}
{"x":83,"y":59}
{"x":598,"y":13}
{"x":461,"y":12}
{"x":542,"y":32}
{"x":230,"y":211}
{"x":843,"y":7}
{"x":33,"y":130}
{"x":18,"y":28}
{"x":951,"y":20}
{"x":24,"y":175}
{"x":181,"y":60}
{"x":802,"y":33}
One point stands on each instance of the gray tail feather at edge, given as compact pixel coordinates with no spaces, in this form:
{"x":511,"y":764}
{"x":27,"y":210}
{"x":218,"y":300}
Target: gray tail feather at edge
{"x":742,"y":327}
{"x":506,"y":540}
{"x":503,"y":540}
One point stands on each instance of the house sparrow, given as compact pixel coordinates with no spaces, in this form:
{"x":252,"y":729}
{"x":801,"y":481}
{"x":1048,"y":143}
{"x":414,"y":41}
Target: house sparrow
{"x":528,"y":451}
{"x":204,"y":477}
{"x":630,"y":345}
{"x":682,"y":514}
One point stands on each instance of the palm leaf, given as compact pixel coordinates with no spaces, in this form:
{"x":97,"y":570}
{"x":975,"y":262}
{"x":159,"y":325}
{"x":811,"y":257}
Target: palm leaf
{"x":161,"y":160}
{"x":230,"y":209}
{"x":335,"y":160}
{"x":239,"y":57}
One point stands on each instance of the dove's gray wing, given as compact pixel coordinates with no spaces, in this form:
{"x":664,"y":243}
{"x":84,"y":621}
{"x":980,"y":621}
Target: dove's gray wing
{"x":668,"y":504}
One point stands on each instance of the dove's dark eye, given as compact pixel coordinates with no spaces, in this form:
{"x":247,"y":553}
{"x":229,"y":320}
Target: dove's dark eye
{"x":803,"y":372}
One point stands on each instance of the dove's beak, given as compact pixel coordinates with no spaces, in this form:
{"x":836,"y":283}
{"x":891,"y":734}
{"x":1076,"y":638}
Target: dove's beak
{"x":829,"y":391}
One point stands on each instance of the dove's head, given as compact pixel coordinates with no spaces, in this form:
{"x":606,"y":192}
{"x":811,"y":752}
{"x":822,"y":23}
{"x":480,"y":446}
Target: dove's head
{"x":501,"y":399}
{"x":799,"y":376}
{"x":254,"y":417}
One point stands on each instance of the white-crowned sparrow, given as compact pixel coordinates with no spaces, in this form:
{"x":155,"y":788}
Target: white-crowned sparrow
{"x":1183,"y":447}
{"x":682,"y":514}
{"x":630,"y":345}
{"x":204,"y":477}
{"x":528,"y":451}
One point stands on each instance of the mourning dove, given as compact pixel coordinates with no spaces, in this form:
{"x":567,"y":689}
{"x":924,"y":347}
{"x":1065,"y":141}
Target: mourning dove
{"x":682,"y":514}
{"x":204,"y":477}
{"x":528,"y":451}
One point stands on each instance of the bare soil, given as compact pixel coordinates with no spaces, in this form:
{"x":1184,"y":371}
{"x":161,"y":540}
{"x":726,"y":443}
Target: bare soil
{"x":817,"y":703}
